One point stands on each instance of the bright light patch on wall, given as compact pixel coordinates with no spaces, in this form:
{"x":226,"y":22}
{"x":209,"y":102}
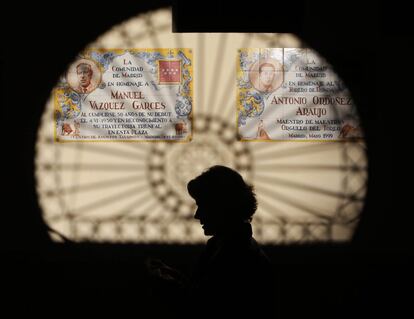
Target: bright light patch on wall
{"x":136,"y":192}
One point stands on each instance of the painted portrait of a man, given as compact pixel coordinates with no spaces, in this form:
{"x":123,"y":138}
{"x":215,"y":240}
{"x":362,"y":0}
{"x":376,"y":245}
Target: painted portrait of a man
{"x":266,"y":76}
{"x":84,"y":72}
{"x":84,"y":76}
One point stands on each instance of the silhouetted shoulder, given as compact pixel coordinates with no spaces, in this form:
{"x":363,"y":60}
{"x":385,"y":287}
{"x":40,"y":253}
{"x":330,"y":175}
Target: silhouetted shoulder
{"x":232,"y":272}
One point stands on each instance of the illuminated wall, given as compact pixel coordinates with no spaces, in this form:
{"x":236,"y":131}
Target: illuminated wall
{"x":136,"y":192}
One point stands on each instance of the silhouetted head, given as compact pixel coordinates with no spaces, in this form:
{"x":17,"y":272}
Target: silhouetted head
{"x":223,"y":198}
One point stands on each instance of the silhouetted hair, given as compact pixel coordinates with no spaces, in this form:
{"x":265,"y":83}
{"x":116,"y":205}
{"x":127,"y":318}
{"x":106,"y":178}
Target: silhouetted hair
{"x":225,"y":188}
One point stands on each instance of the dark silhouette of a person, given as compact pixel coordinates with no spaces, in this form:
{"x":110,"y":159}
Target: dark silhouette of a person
{"x":233,"y":275}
